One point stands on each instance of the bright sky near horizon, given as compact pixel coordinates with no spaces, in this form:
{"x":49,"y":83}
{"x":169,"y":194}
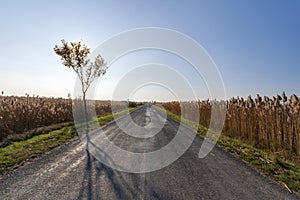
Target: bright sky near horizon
{"x":255,"y":44}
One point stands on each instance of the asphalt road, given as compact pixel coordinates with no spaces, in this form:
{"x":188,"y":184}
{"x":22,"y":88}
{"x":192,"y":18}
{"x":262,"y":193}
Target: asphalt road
{"x":69,"y":172}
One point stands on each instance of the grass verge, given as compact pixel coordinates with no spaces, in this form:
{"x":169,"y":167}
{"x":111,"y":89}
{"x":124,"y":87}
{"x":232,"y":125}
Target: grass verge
{"x":285,"y":172}
{"x":29,"y":134}
{"x":18,"y":152}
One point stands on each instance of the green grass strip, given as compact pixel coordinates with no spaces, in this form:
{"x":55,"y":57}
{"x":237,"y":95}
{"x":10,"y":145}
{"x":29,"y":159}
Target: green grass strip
{"x":19,"y":152}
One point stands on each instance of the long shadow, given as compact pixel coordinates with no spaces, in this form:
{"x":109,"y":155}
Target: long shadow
{"x":124,"y":185}
{"x":87,"y":176}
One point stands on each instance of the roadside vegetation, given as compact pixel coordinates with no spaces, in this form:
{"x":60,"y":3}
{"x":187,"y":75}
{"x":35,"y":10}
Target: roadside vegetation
{"x":285,"y":172}
{"x":270,"y":124}
{"x":273,"y":165}
{"x":20,"y":115}
{"x":39,"y":141}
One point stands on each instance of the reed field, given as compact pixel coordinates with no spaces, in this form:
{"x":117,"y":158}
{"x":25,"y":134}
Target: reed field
{"x":271,"y":124}
{"x":20,"y":114}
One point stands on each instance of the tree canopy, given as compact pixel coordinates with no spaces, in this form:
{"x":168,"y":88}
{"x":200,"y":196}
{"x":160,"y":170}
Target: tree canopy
{"x":75,"y":55}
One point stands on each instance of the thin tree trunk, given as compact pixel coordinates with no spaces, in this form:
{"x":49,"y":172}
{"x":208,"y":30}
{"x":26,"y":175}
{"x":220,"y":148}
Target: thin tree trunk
{"x":85,"y":114}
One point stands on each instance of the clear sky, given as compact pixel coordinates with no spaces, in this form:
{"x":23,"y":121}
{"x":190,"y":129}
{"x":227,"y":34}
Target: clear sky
{"x":255,"y":44}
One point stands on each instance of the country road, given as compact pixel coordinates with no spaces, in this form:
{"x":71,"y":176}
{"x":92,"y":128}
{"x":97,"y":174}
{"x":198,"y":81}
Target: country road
{"x":69,"y":172}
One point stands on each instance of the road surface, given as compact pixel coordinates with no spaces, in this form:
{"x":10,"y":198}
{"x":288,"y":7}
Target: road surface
{"x":69,"y":172}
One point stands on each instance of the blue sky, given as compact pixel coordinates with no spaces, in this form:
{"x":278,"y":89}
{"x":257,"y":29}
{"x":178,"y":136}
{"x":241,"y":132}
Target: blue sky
{"x":255,"y":44}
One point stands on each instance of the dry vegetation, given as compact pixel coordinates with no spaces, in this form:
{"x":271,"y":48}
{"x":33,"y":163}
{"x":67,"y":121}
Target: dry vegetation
{"x":22,"y":114}
{"x":269,"y":124}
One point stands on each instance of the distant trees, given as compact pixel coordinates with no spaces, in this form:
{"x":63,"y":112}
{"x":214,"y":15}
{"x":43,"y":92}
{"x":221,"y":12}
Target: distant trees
{"x":75,"y":55}
{"x":132,"y":104}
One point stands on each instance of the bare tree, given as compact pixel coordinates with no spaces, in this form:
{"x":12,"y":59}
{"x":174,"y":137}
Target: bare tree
{"x":75,"y":55}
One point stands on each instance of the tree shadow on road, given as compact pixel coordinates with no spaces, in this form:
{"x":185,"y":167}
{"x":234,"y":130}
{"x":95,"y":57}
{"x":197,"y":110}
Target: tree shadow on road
{"x":102,"y":182}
